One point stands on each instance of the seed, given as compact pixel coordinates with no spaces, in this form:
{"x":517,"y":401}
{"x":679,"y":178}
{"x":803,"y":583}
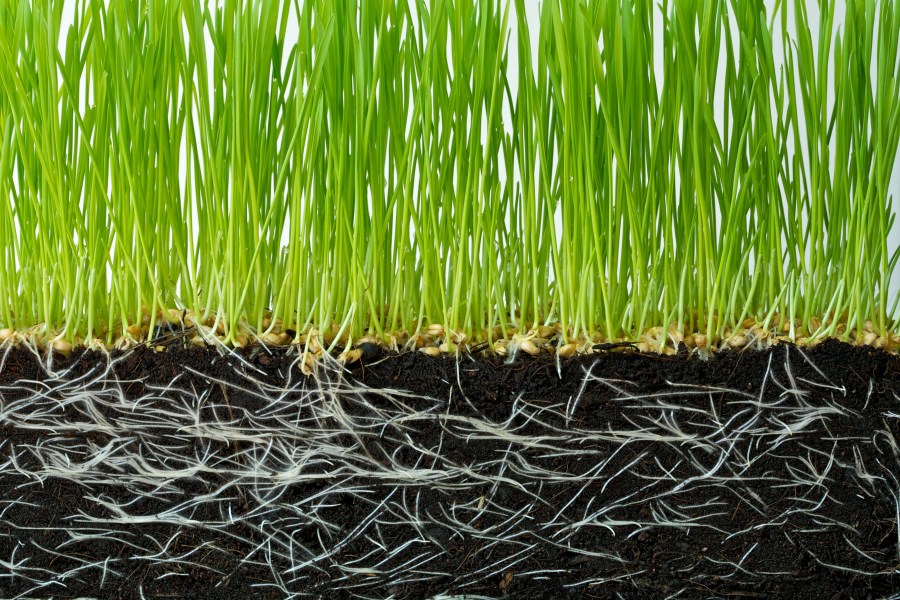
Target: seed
{"x":134,"y":329}
{"x":529,"y":347}
{"x":458,"y":338}
{"x":676,"y":336}
{"x":869,"y":339}
{"x":700,"y":340}
{"x":545,"y":331}
{"x":275,"y":339}
{"x":332,"y":334}
{"x":430,"y":351}
{"x":312,"y":341}
{"x":435,"y":330}
{"x":689,"y":340}
{"x":5,"y":334}
{"x":62,"y":346}
{"x":881,"y":343}
{"x":350,"y":356}
{"x":393,"y":342}
{"x":758,"y":333}
{"x":309,"y":364}
{"x":566,"y":351}
{"x":738,"y":341}
{"x":643,"y":347}
{"x":748,"y":323}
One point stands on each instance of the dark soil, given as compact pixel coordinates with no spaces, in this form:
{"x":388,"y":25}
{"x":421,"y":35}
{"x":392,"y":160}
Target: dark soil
{"x":187,"y":474}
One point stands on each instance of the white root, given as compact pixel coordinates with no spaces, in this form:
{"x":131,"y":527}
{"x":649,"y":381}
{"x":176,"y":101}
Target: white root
{"x":282,"y":463}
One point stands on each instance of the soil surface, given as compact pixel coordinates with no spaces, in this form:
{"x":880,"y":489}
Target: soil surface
{"x":189,"y":474}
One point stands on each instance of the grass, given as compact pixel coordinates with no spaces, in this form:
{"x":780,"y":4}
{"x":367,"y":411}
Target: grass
{"x":391,"y":172}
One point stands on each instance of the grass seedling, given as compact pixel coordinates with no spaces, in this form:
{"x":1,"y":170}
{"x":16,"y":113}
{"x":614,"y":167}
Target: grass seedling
{"x":444,"y":176}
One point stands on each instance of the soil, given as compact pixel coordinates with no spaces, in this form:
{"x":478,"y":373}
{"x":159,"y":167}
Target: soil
{"x":189,"y":474}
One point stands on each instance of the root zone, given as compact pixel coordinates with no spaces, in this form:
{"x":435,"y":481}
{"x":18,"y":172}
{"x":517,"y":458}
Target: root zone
{"x":621,"y":475}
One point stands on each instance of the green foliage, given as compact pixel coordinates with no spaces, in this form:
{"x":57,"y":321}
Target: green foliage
{"x":389,"y":167}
